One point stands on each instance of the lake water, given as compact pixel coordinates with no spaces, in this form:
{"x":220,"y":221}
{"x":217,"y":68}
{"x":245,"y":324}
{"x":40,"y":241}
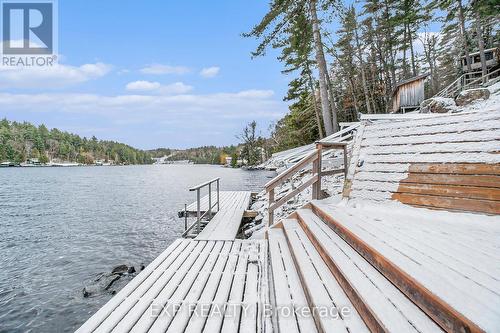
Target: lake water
{"x":61,"y":227}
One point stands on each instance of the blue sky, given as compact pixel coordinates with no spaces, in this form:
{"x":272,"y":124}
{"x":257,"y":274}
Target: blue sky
{"x":152,"y":74}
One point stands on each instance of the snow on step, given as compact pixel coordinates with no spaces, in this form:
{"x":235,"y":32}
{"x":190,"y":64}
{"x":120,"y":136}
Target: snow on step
{"x":323,"y":290}
{"x":444,"y":162}
{"x":395,"y":311}
{"x":451,"y":157}
{"x":466,"y":136}
{"x":288,"y":293}
{"x":465,"y":121}
{"x":483,"y":303}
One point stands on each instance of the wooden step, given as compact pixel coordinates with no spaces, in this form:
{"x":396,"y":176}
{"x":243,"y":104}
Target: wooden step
{"x":383,"y":307}
{"x":389,"y":263}
{"x":332,"y":309}
{"x":288,"y":293}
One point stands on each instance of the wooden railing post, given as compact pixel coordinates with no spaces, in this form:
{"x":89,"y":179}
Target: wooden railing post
{"x":271,"y":211}
{"x":345,"y":163}
{"x":316,"y":169}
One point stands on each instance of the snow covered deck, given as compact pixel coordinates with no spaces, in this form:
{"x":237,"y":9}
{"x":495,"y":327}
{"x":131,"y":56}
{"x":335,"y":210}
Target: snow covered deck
{"x":226,"y":222}
{"x":225,"y":219}
{"x":226,"y":198}
{"x":193,"y":286}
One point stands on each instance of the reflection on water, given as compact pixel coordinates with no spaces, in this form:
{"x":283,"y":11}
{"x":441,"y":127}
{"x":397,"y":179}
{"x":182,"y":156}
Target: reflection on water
{"x":61,"y":227}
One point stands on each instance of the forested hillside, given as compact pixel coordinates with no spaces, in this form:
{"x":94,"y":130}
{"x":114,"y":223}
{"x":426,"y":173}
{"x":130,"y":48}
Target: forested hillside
{"x":21,"y":141}
{"x":345,"y":58}
{"x":198,"y":155}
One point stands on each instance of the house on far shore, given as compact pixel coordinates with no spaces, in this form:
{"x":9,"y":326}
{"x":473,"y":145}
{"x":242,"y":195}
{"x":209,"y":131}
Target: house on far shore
{"x":408,"y":94}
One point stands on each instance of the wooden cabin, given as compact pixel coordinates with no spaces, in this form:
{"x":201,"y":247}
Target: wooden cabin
{"x":408,"y":94}
{"x":492,"y":60}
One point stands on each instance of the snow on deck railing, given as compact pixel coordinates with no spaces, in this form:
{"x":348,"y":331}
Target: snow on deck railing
{"x":292,"y":156}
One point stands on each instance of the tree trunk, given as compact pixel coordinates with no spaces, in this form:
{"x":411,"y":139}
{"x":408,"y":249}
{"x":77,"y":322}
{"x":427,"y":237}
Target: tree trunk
{"x":412,"y":52}
{"x":479,"y":32}
{"x":363,"y":74}
{"x":461,"y":18}
{"x":332,"y":103}
{"x":315,"y":101}
{"x":405,"y":47}
{"x":320,"y":59}
{"x":353,"y":94}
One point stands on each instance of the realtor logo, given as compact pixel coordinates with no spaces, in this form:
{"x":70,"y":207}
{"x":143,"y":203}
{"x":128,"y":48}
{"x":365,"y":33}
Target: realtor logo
{"x":28,"y":28}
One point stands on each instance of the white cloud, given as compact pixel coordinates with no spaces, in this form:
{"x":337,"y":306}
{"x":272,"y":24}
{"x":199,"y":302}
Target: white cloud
{"x":143,"y":86}
{"x":123,"y":71}
{"x":210,"y":72}
{"x":191,"y":108}
{"x":158,"y":69}
{"x":253,"y":93}
{"x":158,"y":88}
{"x":58,"y":76}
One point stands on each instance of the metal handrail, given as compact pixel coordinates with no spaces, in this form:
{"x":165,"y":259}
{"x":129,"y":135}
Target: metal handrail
{"x":194,"y":188}
{"x":199,"y":215}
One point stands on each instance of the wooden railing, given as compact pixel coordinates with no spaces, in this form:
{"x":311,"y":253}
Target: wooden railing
{"x":208,"y":212}
{"x":468,"y":80}
{"x":314,"y":157}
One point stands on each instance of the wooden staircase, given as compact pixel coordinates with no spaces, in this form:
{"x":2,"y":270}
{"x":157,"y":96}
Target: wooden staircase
{"x":469,"y":81}
{"x":335,"y":276}
{"x":322,"y":263}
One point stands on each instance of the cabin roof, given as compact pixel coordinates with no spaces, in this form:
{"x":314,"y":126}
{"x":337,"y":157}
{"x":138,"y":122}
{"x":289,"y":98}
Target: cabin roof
{"x":410,"y":80}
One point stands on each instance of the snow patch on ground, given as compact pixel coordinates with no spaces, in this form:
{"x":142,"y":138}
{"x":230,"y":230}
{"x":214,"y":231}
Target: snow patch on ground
{"x":491,"y":104}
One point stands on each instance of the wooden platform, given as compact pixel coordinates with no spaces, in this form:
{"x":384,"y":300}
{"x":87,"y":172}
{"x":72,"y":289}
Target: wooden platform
{"x":193,"y":286}
{"x":226,"y":222}
{"x":227,"y":198}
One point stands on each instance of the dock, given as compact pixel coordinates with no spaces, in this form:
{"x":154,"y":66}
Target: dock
{"x":219,"y":214}
{"x":222,"y":222}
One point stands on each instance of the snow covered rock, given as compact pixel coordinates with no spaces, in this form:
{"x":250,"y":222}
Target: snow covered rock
{"x":466,"y":97}
{"x":437,"y":105}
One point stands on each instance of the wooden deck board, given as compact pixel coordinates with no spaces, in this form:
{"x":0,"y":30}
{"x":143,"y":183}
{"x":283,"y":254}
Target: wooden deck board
{"x":226,"y":223}
{"x":216,"y":295}
{"x":226,"y":198}
{"x":322,"y":287}
{"x":288,"y":292}
{"x":193,"y":274}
